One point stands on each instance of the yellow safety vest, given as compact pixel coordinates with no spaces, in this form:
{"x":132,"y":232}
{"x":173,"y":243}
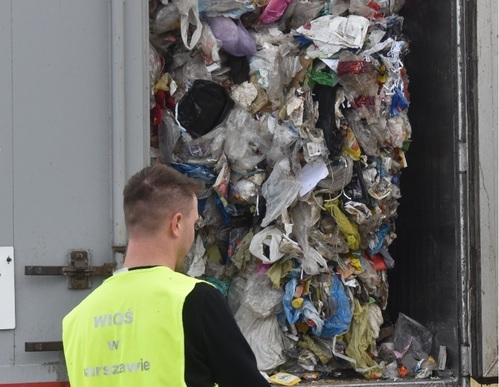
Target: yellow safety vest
{"x":129,"y":331}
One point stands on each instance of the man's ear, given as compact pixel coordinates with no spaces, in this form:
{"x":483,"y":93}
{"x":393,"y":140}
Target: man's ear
{"x":175,"y":224}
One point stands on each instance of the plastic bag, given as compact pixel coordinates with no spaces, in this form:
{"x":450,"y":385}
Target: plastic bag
{"x":340,"y":315}
{"x":236,"y":292}
{"x":155,"y":66}
{"x":360,"y":339}
{"x":299,"y":12}
{"x":239,"y":68}
{"x":228,"y":8}
{"x":280,"y":190}
{"x":264,"y":336}
{"x":235,"y":38}
{"x":167,"y":19}
{"x":261,"y":297}
{"x":273,"y":11}
{"x":366,"y":134}
{"x":265,"y":245}
{"x":168,"y":135}
{"x":196,"y":259}
{"x":265,"y":64}
{"x":303,"y":310}
{"x":203,"y":107}
{"x":358,"y":77}
{"x":210,"y":47}
{"x":367,"y":8}
{"x":326,"y":97}
{"x":189,"y":15}
{"x":348,"y":229}
{"x":283,"y":138}
{"x":304,"y":217}
{"x":411,"y":338}
{"x":399,"y":129}
{"x":245,"y":144}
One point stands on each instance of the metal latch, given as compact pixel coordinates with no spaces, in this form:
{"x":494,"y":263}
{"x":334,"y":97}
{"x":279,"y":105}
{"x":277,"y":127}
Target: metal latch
{"x":78,"y":271}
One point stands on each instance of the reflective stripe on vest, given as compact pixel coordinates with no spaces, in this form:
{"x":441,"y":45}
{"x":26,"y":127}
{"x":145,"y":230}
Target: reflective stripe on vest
{"x":129,"y":331}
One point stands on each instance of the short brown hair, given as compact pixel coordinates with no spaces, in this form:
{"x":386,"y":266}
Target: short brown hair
{"x":154,"y":193}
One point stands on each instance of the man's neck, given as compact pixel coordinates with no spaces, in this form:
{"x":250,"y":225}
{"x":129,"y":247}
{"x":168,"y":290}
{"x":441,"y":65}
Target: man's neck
{"x":142,"y":252}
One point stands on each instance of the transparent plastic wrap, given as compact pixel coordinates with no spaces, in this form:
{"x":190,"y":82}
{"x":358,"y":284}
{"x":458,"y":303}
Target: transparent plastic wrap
{"x":328,"y":245}
{"x":367,"y":8}
{"x":155,"y":66}
{"x":168,"y":135}
{"x":196,"y":258}
{"x":236,"y":292}
{"x":283,"y":137}
{"x":304,"y":217}
{"x":167,"y":19}
{"x":210,"y":46}
{"x":228,"y":8}
{"x":280,"y":190}
{"x":299,"y":12}
{"x":412,"y":341}
{"x":245,"y":147}
{"x":189,"y":67}
{"x":205,"y":150}
{"x":367,"y":134}
{"x":341,"y":170}
{"x":358,"y":77}
{"x":369,"y":276}
{"x":399,"y":129}
{"x":265,"y":64}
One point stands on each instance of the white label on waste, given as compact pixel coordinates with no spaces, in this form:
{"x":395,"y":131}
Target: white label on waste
{"x":310,"y":175}
{"x":7,"y":303}
{"x":442,"y":357}
{"x":314,"y":149}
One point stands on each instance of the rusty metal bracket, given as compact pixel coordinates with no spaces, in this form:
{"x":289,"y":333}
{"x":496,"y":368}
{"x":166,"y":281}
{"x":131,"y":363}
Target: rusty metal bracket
{"x":78,"y":271}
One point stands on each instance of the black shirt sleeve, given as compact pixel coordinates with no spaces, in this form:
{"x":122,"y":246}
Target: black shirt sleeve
{"x":215,"y":349}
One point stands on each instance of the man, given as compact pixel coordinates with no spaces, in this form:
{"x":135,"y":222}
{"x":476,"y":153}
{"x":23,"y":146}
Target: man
{"x":148,"y":325}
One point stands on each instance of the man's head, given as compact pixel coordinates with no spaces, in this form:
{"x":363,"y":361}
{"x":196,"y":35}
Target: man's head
{"x":158,"y":200}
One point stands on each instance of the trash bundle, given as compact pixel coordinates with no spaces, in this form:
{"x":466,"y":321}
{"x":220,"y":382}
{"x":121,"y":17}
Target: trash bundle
{"x":293,"y":114}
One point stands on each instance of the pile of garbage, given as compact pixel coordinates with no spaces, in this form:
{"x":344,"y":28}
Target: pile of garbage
{"x":294,"y":115}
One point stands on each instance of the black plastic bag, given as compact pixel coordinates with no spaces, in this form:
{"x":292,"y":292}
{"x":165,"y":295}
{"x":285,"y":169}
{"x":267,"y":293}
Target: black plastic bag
{"x":203,"y":107}
{"x":326,"y":96}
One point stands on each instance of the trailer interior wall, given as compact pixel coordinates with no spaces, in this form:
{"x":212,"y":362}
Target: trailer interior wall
{"x":449,"y":207}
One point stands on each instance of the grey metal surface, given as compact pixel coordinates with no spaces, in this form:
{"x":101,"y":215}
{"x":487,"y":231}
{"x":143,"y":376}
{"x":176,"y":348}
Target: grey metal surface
{"x":60,"y":155}
{"x":486,"y":328}
{"x":56,"y":152}
{"x":6,"y":174}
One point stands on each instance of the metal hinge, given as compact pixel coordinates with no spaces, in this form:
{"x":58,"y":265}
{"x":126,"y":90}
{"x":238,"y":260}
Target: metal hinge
{"x":78,"y":271}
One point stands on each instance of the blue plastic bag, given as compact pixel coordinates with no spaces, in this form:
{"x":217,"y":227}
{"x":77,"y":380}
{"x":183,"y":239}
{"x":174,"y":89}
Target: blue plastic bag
{"x":339,"y":322}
